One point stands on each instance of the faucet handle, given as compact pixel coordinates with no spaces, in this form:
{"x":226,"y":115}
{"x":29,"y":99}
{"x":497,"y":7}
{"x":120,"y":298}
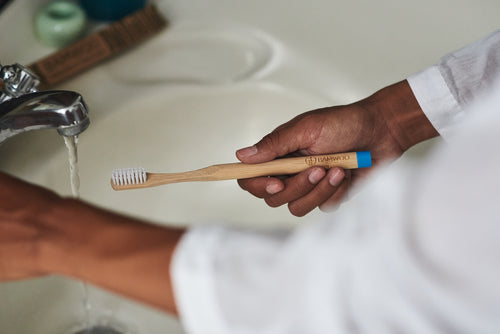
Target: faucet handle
{"x":18,"y":81}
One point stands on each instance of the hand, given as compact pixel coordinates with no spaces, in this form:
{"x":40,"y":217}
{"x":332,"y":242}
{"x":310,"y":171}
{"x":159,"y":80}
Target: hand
{"x":387,"y":124}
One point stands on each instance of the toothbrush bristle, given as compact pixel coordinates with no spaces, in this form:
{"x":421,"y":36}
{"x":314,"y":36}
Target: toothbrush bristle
{"x":126,"y":176}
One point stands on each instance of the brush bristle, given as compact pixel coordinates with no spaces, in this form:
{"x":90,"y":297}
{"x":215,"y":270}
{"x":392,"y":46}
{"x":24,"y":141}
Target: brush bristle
{"x":126,"y":176}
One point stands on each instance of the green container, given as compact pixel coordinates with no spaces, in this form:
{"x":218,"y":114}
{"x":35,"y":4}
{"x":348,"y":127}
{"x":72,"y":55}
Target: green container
{"x":60,"y":23}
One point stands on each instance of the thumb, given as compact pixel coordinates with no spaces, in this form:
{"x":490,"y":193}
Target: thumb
{"x":280,"y":142}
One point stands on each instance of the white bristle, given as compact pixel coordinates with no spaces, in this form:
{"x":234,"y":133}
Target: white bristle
{"x":126,"y":176}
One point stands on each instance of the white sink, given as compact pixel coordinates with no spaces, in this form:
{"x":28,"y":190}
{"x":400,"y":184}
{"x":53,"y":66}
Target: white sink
{"x":164,"y":131}
{"x":223,"y":75}
{"x":174,"y":131}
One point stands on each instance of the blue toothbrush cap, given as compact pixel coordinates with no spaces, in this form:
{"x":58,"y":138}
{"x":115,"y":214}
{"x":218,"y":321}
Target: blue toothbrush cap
{"x":364,"y":159}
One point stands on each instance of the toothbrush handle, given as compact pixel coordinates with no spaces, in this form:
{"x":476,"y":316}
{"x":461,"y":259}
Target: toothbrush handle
{"x":283,"y":166}
{"x":288,"y":166}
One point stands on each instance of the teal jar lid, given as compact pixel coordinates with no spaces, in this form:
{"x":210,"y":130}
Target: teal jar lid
{"x":60,"y":23}
{"x":110,"y":10}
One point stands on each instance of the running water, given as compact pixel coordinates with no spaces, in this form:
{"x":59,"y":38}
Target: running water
{"x":71,"y":144}
{"x":86,"y":305}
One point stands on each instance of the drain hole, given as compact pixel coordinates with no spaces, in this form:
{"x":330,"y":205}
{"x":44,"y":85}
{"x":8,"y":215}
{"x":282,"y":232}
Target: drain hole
{"x":98,"y":330}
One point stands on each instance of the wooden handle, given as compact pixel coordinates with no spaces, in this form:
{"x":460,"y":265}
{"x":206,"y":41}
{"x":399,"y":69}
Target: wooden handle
{"x":284,"y":166}
{"x":231,"y":171}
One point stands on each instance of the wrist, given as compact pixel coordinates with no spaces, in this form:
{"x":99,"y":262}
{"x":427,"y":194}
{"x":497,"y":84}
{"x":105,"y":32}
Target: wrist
{"x":404,"y":118}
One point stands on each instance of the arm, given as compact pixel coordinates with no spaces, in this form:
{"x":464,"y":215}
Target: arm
{"x":42,"y":233}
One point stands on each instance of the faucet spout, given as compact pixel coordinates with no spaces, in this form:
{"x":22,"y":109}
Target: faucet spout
{"x":62,"y":110}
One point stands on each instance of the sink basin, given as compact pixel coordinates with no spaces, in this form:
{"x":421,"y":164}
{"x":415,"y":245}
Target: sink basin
{"x":174,"y":131}
{"x":165,"y":130}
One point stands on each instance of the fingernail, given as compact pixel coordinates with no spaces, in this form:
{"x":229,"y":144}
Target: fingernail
{"x":247,"y":151}
{"x":273,"y":188}
{"x":336,"y":177}
{"x":316,"y":175}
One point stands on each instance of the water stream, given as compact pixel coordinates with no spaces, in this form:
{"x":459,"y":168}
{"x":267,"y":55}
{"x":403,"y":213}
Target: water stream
{"x":71,"y":144}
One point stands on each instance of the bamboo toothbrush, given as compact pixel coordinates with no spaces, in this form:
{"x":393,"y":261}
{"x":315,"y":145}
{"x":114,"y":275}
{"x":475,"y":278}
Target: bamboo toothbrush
{"x":132,"y":178}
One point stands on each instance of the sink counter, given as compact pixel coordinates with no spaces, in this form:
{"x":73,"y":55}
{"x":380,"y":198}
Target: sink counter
{"x":223,"y":74}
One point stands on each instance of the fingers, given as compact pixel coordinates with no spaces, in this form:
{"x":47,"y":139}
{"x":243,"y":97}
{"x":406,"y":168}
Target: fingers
{"x":322,"y":193}
{"x":303,"y":192}
{"x":297,"y":187}
{"x":262,"y":187}
{"x":339,"y":195}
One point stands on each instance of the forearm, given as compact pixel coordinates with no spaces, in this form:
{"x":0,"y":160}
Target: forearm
{"x":121,"y":254}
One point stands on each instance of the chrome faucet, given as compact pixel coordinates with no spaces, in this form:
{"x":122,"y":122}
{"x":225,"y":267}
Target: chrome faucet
{"x":23,"y":108}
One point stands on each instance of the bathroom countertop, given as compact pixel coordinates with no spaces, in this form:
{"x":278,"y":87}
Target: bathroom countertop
{"x":347,"y":48}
